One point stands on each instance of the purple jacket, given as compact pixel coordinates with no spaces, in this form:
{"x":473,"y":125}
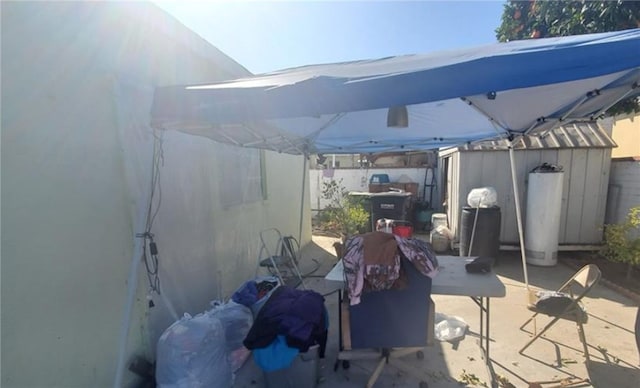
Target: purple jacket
{"x":299,"y":315}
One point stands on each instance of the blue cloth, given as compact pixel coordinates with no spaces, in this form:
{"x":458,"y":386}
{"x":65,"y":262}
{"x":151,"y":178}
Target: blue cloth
{"x":275,"y":356}
{"x":246,"y":295}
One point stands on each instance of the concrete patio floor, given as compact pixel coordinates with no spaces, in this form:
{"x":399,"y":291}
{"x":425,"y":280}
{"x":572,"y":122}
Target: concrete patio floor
{"x":558,"y":355}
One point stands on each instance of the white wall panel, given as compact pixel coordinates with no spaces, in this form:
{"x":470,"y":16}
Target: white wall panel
{"x":77,"y":86}
{"x":577,"y":178}
{"x":564,"y":160}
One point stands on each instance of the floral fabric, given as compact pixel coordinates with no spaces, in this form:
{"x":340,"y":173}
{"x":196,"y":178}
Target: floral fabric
{"x":381,"y":272}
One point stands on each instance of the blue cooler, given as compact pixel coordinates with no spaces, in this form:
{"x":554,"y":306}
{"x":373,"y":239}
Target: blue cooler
{"x":379,"y":178}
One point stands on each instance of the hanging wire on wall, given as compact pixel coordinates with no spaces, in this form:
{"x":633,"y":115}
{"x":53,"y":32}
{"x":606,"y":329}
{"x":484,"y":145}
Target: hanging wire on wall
{"x":150,"y":248}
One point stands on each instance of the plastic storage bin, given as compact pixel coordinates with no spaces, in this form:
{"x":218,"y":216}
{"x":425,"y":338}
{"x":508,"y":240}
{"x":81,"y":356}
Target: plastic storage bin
{"x":379,"y":178}
{"x":303,"y":372}
{"x":402,"y":229}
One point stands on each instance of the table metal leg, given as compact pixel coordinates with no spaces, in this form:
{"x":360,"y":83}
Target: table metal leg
{"x":340,"y":319}
{"x":485,"y":308}
{"x":340,"y":346}
{"x":482,"y":327}
{"x":485,"y":338}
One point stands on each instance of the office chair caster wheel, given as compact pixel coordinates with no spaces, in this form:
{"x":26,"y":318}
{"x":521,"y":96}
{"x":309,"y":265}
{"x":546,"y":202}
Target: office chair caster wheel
{"x":345,"y":365}
{"x":420,"y":356}
{"x":423,"y":384}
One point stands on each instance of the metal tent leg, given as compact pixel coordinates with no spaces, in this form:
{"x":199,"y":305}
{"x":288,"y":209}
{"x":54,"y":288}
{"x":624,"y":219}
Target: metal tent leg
{"x":304,"y":184}
{"x":516,"y":198}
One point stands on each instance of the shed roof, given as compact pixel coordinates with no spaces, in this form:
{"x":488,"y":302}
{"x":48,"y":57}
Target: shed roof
{"x":574,"y":135}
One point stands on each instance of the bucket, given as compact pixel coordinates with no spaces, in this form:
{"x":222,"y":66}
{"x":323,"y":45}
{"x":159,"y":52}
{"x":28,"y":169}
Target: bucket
{"x":402,"y":229}
{"x":303,"y":372}
{"x":439,"y":242}
{"x":438,"y":219}
{"x":423,"y":218}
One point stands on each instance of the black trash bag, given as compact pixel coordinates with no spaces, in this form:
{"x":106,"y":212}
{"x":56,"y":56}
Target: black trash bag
{"x":482,"y":264}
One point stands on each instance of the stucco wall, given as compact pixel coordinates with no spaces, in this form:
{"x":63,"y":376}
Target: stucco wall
{"x":626,"y":133}
{"x":77,"y":85}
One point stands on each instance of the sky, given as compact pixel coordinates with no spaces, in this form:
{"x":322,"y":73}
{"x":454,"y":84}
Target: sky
{"x":266,"y":36}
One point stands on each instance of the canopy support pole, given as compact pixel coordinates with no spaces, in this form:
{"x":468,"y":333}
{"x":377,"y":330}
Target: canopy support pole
{"x":304,"y":184}
{"x":516,"y":198}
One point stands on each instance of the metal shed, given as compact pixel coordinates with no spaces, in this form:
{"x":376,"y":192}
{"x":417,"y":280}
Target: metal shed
{"x":582,"y":149}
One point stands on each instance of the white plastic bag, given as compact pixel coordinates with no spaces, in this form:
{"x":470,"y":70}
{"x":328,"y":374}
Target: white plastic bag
{"x":449,"y":328}
{"x":483,"y":197}
{"x":236,"y":320}
{"x":444,"y":231}
{"x":192,"y":353}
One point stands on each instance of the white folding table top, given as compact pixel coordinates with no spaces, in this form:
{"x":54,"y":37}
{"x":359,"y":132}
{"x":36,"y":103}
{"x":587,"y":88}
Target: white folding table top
{"x":452,"y":279}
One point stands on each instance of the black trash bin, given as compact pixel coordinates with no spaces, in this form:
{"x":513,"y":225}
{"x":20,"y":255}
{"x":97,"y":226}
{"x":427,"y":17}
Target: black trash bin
{"x":486,"y":240}
{"x":392,"y":205}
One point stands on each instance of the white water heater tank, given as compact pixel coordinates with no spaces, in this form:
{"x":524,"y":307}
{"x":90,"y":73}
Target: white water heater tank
{"x":544,"y":205}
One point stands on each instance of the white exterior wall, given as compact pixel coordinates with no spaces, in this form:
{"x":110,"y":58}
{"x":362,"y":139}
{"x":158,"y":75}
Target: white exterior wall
{"x":77,"y":86}
{"x":584,"y":196}
{"x":624,"y":189}
{"x":358,"y":180}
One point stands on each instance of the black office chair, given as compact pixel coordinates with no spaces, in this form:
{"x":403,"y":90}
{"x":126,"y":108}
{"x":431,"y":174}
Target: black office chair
{"x":389,"y":324}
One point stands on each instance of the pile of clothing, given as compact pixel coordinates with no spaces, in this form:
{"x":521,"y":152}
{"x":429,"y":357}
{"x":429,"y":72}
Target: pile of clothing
{"x":289,"y":322}
{"x":372,"y":262}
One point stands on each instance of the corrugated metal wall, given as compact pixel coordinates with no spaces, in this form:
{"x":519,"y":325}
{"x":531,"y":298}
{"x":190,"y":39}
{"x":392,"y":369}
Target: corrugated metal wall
{"x":624,"y":189}
{"x":584,"y":188}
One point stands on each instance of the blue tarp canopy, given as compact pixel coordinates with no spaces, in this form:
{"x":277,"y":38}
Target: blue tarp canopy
{"x":452,"y":97}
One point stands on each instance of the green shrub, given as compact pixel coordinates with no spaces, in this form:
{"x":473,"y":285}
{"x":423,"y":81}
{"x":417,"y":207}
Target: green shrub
{"x":344,"y":214}
{"x":622,"y":241}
